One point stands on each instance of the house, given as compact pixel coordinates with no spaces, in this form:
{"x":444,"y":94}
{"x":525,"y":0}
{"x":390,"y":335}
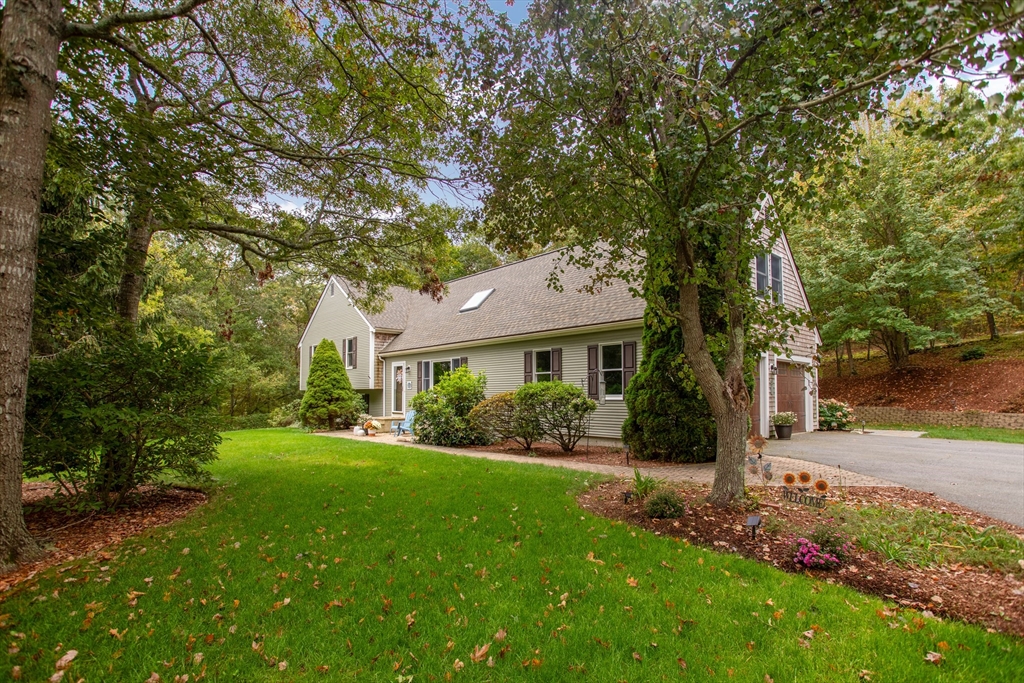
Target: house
{"x":509,"y":324}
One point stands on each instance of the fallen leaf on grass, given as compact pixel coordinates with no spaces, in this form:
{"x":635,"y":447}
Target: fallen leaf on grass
{"x":681,"y":662}
{"x":282,"y":665}
{"x":458,"y":665}
{"x":197,"y":658}
{"x":933,"y":657}
{"x":55,"y":678}
{"x":479,"y":653}
{"x":632,"y":582}
{"x":500,"y":635}
{"x":16,"y":673}
{"x":637,"y":657}
{"x":65,"y":661}
{"x":153,"y":678}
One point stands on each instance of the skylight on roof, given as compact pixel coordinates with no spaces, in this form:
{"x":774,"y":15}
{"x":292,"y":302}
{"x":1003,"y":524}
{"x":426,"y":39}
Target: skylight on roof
{"x":476,"y":300}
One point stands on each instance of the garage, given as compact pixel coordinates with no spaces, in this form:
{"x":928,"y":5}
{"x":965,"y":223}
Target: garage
{"x":790,"y":391}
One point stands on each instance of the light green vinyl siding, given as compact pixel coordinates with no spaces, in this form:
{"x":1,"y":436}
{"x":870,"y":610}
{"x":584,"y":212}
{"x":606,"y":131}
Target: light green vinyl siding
{"x":337,"y":319}
{"x":503,"y":365}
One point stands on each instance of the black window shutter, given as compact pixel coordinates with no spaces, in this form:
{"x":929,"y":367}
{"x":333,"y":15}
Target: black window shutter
{"x":463,"y":361}
{"x":419,"y":376}
{"x":527,"y":367}
{"x":556,"y":364}
{"x":592,"y":378}
{"x":628,"y":362}
{"x":355,"y":351}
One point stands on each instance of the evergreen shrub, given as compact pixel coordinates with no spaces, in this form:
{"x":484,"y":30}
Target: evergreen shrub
{"x":506,"y":416}
{"x":665,"y":504}
{"x":105,"y":418}
{"x":561,"y":410}
{"x":443,"y":411}
{"x":329,"y":401}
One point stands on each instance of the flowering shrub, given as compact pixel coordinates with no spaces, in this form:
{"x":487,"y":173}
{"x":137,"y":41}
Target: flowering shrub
{"x":834,"y":415}
{"x":825,"y":549}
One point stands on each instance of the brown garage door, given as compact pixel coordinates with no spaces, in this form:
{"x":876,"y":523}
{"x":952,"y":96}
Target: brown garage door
{"x":789,"y":385}
{"x":755,"y":409}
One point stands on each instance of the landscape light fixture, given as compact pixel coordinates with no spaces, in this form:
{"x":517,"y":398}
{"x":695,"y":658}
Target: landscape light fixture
{"x":753,"y":522}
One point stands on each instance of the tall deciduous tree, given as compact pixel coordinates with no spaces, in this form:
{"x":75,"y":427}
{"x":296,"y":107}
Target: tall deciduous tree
{"x":208,"y":107}
{"x":639,"y":130}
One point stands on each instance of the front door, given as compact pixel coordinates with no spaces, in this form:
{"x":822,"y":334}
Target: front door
{"x":398,"y":395}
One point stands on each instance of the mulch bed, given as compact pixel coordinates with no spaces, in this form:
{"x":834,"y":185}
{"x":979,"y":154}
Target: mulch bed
{"x":977,"y":385}
{"x":597,"y":455}
{"x":972,"y":594}
{"x":69,"y":536}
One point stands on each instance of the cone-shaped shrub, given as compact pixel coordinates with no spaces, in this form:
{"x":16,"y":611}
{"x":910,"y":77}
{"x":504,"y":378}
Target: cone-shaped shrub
{"x":329,"y":400}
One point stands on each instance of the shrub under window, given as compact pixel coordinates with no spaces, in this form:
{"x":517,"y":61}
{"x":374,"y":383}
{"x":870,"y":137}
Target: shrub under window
{"x":442,"y":412}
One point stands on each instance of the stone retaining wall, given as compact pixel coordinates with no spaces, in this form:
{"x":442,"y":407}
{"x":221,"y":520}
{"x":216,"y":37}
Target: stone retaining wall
{"x":969,"y":418}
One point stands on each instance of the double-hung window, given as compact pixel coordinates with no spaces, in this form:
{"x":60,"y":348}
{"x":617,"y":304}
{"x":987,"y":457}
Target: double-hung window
{"x":769,"y":277}
{"x":349,"y":352}
{"x":435,"y":370}
{"x":543,"y":370}
{"x":611,"y":369}
{"x":312,"y":351}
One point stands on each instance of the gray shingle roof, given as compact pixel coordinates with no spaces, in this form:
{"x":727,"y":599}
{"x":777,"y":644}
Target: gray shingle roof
{"x":522,"y":303}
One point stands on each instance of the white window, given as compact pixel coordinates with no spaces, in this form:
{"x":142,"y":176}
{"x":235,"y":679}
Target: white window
{"x":312,"y":350}
{"x":349,"y":350}
{"x":435,"y":370}
{"x":769,"y":283}
{"x":611,"y":370}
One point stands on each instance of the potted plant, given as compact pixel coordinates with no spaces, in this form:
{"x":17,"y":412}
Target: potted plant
{"x":783,"y":423}
{"x":371,"y":427}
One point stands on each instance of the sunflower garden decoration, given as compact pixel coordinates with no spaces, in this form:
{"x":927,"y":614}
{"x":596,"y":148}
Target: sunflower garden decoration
{"x":797,"y":488}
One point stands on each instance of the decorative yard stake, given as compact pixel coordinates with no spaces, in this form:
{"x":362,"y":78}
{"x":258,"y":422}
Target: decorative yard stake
{"x":801,"y":493}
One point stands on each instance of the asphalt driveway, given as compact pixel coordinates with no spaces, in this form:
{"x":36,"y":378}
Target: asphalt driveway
{"x":984,"y":476}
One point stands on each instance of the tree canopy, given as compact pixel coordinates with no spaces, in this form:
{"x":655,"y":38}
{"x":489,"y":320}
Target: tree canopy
{"x":649,"y":135}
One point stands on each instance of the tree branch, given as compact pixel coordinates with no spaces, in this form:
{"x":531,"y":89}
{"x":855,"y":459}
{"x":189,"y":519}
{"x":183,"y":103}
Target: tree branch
{"x":104,"y":26}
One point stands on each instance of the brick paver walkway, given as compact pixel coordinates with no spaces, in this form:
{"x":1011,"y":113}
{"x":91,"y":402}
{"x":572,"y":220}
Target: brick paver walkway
{"x":703,"y":473}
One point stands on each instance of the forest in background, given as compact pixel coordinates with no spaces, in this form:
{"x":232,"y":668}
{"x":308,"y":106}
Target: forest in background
{"x":917,"y":235}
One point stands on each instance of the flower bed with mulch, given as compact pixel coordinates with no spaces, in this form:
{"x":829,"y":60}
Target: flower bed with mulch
{"x":993,"y":597}
{"x":70,"y":536}
{"x":597,"y":455}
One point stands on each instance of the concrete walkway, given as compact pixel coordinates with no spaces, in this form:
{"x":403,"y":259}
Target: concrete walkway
{"x":698,"y":474}
{"x":981,"y":475}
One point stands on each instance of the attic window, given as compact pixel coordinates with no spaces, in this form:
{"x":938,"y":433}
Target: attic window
{"x":476,"y":301}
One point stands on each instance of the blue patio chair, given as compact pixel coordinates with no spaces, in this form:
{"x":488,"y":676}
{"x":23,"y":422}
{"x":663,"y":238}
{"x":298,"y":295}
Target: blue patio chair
{"x":405,"y":425}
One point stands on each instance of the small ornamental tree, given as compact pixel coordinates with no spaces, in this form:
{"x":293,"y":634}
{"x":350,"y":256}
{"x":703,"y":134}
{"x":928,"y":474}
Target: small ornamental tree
{"x":562,"y":410}
{"x":443,"y":411}
{"x":329,"y":400}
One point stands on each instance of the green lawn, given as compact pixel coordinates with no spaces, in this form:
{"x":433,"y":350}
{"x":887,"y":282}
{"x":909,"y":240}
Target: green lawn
{"x":393,"y":564}
{"x":959,"y":433}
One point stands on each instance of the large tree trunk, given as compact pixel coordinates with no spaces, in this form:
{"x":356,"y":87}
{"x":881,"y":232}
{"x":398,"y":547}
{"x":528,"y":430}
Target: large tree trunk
{"x":29,"y":46}
{"x":727,"y":393}
{"x":849,"y":356}
{"x":133,"y":277}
